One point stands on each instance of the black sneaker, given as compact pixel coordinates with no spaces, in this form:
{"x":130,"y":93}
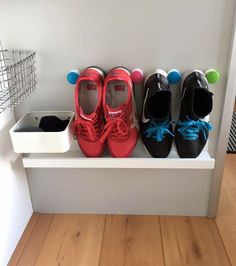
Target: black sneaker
{"x":156,"y":128}
{"x":191,"y":132}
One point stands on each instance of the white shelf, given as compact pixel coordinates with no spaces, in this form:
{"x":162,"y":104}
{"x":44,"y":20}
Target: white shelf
{"x":139,"y":160}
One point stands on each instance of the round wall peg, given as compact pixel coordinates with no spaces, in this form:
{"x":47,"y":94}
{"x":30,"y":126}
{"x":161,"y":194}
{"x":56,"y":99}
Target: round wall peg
{"x":174,"y":76}
{"x":212,"y":76}
{"x":137,"y":75}
{"x":73,"y":76}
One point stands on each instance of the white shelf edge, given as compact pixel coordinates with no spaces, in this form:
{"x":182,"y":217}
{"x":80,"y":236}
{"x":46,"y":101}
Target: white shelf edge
{"x":140,"y":159}
{"x":50,"y":161}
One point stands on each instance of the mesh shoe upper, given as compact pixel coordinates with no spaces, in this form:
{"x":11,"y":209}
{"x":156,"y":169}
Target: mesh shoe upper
{"x":88,"y":124}
{"x":191,"y":132}
{"x":119,"y":111}
{"x":156,"y":118}
{"x":196,"y":99}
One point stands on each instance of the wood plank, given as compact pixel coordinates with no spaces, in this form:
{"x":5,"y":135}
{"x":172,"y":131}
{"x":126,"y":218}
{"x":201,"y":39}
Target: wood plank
{"x":32,"y":248}
{"x":73,"y":240}
{"x":192,"y":241}
{"x":226,"y":217}
{"x":23,"y":240}
{"x":131,"y":240}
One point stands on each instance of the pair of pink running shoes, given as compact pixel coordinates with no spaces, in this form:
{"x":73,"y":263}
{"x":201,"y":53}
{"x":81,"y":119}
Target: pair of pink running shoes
{"x":105,"y":112}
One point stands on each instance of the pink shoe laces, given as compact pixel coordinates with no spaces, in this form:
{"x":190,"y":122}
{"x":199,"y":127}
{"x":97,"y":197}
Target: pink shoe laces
{"x":89,"y":130}
{"x":116,"y":127}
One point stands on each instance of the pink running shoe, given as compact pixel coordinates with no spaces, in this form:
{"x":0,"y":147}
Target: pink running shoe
{"x":89,"y":122}
{"x":121,"y":129}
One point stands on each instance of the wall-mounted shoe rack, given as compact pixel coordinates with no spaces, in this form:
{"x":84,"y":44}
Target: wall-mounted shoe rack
{"x":69,"y":182}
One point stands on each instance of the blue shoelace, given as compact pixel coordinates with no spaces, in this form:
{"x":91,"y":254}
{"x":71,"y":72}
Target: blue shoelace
{"x":158,"y":130}
{"x":189,"y":129}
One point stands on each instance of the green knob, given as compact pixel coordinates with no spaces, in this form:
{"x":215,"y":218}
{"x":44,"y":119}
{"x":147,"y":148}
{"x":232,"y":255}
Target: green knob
{"x":212,"y":76}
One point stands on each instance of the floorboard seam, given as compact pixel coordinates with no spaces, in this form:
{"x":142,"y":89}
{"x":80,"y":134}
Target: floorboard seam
{"x":223,"y":243}
{"x":45,"y":237}
{"x":162,"y":245}
{"x":104,"y":226}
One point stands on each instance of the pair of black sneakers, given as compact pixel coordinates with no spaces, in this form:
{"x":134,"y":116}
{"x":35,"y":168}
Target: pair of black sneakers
{"x":191,"y":131}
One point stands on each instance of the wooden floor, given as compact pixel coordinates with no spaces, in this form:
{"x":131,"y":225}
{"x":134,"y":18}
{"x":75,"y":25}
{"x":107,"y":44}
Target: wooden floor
{"x":109,"y":240}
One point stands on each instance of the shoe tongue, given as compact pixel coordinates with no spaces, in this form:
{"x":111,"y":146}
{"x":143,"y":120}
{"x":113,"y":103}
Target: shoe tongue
{"x":89,"y":117}
{"x":156,"y":92}
{"x":202,"y":105}
{"x":159,"y":105}
{"x":152,"y":92}
{"x":115,"y":112}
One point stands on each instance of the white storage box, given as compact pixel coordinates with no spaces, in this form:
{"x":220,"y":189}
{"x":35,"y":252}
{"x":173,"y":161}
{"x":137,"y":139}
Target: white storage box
{"x":41,"y":142}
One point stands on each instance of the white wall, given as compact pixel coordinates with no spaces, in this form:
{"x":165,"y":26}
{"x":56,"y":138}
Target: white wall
{"x":15,"y":202}
{"x":149,"y":34}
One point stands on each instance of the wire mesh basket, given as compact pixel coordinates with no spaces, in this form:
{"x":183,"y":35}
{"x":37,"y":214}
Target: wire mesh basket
{"x":17,"y":77}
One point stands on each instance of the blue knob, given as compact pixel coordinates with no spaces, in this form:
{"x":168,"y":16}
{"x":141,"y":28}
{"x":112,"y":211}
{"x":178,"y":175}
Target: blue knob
{"x":174,"y":76}
{"x":73,"y":76}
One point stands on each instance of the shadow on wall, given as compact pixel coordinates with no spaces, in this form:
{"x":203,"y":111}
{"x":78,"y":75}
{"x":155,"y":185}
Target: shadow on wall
{"x":6,"y":122}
